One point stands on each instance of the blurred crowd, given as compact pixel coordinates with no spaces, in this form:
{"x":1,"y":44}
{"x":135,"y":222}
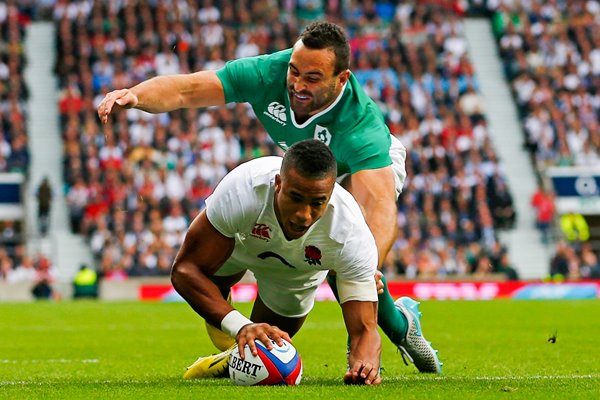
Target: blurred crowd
{"x":14,"y":154}
{"x":551,"y":55}
{"x":134,"y":185}
{"x":17,"y":267}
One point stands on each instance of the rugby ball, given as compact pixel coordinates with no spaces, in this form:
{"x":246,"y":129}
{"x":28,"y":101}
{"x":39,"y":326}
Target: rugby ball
{"x":280,"y":366}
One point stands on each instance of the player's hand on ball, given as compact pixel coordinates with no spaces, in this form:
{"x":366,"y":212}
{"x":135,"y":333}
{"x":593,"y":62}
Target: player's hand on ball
{"x":117,"y":99}
{"x":362,"y":373}
{"x":263,"y":332}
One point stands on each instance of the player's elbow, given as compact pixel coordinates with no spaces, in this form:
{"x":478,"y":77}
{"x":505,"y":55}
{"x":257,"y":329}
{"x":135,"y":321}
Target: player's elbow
{"x":180,"y":274}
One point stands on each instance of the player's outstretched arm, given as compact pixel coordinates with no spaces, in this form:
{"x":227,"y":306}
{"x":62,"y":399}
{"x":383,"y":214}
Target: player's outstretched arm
{"x":202,"y":253}
{"x":166,"y":93}
{"x":375,"y":191}
{"x":365,"y":343}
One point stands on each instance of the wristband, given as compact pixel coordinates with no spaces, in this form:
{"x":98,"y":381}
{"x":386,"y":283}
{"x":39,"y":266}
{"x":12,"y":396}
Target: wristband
{"x":233,"y":322}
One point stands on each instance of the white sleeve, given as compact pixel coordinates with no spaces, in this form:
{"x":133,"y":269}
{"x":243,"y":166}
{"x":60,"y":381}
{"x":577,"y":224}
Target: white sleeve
{"x":357,"y":266}
{"x":227,"y":207}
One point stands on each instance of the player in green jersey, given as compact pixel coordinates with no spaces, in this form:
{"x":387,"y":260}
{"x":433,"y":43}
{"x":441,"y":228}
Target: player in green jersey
{"x":304,"y":92}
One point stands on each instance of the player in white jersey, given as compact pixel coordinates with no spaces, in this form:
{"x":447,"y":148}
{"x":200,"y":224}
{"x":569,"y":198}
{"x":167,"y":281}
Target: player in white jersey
{"x":289,"y":223}
{"x":306,"y":92}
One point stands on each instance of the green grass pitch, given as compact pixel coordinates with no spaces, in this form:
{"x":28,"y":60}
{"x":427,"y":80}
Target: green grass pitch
{"x":135,"y":350}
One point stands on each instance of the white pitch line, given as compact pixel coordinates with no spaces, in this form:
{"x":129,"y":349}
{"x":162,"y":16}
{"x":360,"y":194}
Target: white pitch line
{"x":494,"y":378}
{"x":51,"y":361}
{"x":109,"y":382}
{"x":397,"y":378}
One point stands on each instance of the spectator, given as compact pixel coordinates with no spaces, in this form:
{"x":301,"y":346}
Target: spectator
{"x":501,"y":204}
{"x":543,"y":202}
{"x":565,"y":263}
{"x":505,"y":267}
{"x":574,"y":227}
{"x":589,"y":267}
{"x":85,"y":283}
{"x":44,"y":197}
{"x":42,"y":289}
{"x":77,"y":198}
{"x":24,"y":272}
{"x":6,"y":266}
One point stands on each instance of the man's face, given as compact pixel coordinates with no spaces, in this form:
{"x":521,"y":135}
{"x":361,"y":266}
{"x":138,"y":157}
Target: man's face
{"x":312,"y":86}
{"x":300,"y":202}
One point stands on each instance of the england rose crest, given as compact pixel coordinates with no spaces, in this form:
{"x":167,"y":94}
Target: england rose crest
{"x":312,"y":255}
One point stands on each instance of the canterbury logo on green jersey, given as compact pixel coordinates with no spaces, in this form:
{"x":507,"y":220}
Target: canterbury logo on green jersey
{"x":276,"y":112}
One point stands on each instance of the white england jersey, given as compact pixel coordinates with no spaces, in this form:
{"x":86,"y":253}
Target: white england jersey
{"x":288,"y":272}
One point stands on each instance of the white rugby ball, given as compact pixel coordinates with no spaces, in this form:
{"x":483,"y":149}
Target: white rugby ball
{"x":280,"y":366}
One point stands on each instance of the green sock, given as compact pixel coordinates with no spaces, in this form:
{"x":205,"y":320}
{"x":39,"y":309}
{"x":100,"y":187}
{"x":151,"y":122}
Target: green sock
{"x":392,"y":322}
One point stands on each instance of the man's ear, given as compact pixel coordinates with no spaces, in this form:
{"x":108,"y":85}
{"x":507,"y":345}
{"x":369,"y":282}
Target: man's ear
{"x":277,"y":183}
{"x":344,"y":76}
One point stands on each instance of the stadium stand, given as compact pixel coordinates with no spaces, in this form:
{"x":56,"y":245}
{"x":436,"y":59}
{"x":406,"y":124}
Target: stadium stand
{"x":133,"y":186}
{"x":551,"y":56}
{"x":140,"y":170}
{"x":14,"y":154}
{"x":18,"y":263}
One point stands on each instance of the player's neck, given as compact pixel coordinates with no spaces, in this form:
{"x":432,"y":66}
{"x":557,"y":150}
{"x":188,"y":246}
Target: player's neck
{"x":300,"y":119}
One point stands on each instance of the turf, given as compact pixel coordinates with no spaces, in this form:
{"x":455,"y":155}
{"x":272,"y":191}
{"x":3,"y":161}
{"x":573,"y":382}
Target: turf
{"x":493,"y":349}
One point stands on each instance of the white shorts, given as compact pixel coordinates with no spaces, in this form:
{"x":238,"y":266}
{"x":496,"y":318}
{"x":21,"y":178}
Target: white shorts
{"x":398,"y":156}
{"x":293,"y":297}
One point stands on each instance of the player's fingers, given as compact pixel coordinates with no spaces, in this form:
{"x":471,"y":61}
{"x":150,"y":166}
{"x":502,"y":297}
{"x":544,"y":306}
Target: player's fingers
{"x":354,"y":371}
{"x":241,"y":345}
{"x":352,"y":378}
{"x":122,"y":98}
{"x":286,"y":336}
{"x":277,"y":335}
{"x":107,"y":102}
{"x":265,"y":339}
{"x":242,"y":342}
{"x":362,"y":373}
{"x":252,"y":345}
{"x":348,"y":378}
{"x":250,"y":333}
{"x":379,"y":282}
{"x":369,"y":373}
{"x":126,"y":100}
{"x":105,"y":107}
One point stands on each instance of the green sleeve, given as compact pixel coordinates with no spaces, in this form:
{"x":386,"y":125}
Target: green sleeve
{"x":366,"y":144}
{"x":370,"y":154}
{"x":246,"y":78}
{"x":240,"y":78}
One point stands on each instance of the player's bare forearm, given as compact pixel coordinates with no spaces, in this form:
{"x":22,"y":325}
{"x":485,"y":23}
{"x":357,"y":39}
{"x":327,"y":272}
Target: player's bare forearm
{"x":374,"y":190}
{"x":381,"y":219}
{"x":199,"y":292}
{"x":365,"y":343}
{"x":165,"y":93}
{"x":170,"y":92}
{"x":203,"y":252}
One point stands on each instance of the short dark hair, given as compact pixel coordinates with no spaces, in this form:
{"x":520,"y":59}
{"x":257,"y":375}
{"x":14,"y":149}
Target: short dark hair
{"x":311,"y":159}
{"x":327,"y":35}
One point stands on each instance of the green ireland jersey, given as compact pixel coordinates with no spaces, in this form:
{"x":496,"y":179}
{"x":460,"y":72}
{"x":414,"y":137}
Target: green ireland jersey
{"x":352,"y":126}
